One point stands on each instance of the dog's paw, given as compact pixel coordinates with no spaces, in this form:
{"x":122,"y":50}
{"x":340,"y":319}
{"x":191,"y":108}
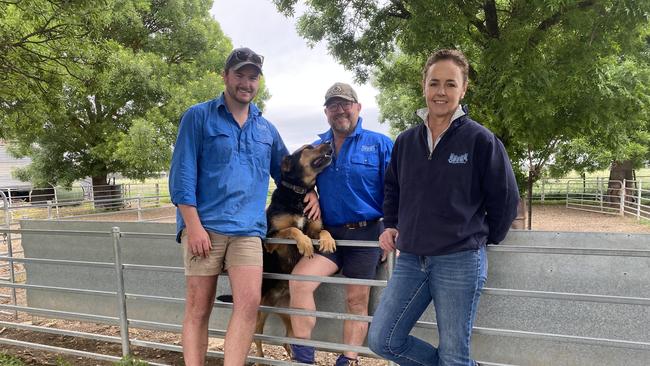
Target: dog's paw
{"x":270,"y":248}
{"x":327,"y":243}
{"x":305,"y":246}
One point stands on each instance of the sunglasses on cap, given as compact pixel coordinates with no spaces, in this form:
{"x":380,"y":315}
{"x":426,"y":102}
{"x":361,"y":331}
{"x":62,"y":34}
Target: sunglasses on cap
{"x":244,"y":55}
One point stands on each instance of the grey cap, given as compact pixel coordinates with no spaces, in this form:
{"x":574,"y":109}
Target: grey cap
{"x":341,"y":90}
{"x":240,"y":57}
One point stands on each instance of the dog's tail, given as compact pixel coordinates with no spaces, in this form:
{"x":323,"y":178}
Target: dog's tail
{"x":225,"y":298}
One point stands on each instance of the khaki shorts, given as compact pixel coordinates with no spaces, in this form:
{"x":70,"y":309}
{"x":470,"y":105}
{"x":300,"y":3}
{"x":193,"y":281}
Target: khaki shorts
{"x":226,"y":252}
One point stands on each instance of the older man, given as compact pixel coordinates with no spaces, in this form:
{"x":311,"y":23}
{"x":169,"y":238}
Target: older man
{"x":351,"y":198}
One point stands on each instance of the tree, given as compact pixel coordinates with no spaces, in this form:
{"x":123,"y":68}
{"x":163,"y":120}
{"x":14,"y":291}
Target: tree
{"x":40,"y":40}
{"x":622,"y":150}
{"x":542,"y":72}
{"x":115,"y":106}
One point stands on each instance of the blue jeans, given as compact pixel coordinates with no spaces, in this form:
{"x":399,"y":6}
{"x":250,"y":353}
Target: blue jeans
{"x":453,"y":282}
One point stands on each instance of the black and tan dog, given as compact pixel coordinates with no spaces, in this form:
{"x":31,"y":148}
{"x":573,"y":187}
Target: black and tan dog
{"x":285,"y":220}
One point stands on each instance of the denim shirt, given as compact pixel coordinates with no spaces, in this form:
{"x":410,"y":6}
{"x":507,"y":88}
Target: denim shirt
{"x":351,"y":189}
{"x":223,"y":169}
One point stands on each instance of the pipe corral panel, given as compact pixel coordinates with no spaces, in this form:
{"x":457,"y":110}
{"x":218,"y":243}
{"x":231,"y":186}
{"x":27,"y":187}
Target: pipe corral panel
{"x":589,"y":324}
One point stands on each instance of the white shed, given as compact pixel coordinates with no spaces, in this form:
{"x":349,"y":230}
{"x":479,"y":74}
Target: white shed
{"x":7,"y":165}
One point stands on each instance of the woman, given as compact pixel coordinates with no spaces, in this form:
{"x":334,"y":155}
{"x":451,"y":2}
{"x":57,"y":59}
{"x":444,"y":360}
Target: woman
{"x":449,"y":191}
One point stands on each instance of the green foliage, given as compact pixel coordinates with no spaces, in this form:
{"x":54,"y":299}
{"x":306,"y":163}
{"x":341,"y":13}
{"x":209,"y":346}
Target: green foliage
{"x":542,"y":74}
{"x":60,"y":361}
{"x":130,"y":361}
{"x":7,"y":360}
{"x":143,"y":151}
{"x":112,"y":103}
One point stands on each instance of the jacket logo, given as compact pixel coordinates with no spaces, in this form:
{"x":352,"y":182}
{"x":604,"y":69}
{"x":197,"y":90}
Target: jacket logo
{"x":457,"y":159}
{"x":368,"y":148}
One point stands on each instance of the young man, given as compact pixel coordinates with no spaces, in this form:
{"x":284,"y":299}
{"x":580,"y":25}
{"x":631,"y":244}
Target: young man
{"x":356,"y":174}
{"x":219,"y":177}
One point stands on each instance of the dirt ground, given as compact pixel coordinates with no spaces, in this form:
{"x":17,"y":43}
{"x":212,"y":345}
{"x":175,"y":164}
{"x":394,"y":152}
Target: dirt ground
{"x":547,"y":218}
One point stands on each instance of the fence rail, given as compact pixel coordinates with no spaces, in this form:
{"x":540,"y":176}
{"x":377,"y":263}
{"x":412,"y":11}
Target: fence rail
{"x":615,"y":197}
{"x":55,"y":203}
{"x":120,"y":296}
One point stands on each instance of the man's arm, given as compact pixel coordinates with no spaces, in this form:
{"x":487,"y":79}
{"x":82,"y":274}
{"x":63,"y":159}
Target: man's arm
{"x":183,"y":181}
{"x":278,"y":152}
{"x":184,"y":165}
{"x":198,"y":240}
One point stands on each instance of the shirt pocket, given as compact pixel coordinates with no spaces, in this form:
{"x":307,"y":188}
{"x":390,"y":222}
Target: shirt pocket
{"x":218,"y":148}
{"x":262,"y":145}
{"x":365,"y":161}
{"x":364,"y":167}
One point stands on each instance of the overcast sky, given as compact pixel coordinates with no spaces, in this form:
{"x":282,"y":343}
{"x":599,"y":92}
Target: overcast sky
{"x":297,"y":76}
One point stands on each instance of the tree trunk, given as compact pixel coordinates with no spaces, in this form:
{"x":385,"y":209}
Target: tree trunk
{"x":522,"y":215}
{"x":99,"y":181}
{"x":106,"y":196}
{"x":620,"y":170}
{"x":530,"y":199}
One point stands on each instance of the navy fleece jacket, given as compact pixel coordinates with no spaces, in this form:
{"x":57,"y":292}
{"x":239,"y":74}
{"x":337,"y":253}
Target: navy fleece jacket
{"x":460,"y":197}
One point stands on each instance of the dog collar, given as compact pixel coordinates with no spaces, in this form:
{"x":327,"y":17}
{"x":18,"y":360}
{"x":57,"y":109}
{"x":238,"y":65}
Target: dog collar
{"x":297,"y":189}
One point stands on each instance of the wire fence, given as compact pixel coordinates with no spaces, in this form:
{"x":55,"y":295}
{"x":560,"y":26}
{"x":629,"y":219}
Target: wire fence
{"x":82,"y":201}
{"x":615,"y":197}
{"x":143,"y":201}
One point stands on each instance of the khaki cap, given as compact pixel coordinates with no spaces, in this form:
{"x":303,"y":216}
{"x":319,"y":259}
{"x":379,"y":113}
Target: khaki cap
{"x":341,"y":90}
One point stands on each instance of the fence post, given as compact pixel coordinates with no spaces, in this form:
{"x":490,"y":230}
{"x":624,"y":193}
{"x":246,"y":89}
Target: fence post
{"x":5,"y":203}
{"x":542,"y":197}
{"x":567,"y":194}
{"x":10,"y":252}
{"x":622,"y":194}
{"x":49,"y":210}
{"x":121,"y":296}
{"x":9,"y":196}
{"x":56,"y":203}
{"x":599,"y":183}
{"x":91,"y":192}
{"x":158,"y":194}
{"x":139,"y":208}
{"x":390,"y":265}
{"x":638,"y":201}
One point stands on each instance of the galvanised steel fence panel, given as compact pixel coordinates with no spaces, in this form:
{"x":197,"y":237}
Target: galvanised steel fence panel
{"x":626,"y":197}
{"x":551,"y":298}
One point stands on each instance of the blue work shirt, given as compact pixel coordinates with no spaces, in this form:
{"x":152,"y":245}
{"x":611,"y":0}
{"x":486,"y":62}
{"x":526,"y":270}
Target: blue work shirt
{"x":351,"y":189}
{"x":223,"y":169}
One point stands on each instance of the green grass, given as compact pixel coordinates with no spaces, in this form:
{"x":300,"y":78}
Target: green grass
{"x":643,"y":172}
{"x":8,"y":360}
{"x":74,"y":194}
{"x":548,"y":202}
{"x":128,"y":361}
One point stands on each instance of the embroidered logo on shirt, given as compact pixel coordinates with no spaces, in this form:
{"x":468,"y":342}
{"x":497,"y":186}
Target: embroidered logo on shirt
{"x":457,"y":159}
{"x":368,"y":148}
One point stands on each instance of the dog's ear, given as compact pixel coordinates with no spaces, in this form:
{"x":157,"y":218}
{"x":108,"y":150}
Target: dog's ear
{"x":286,"y":164}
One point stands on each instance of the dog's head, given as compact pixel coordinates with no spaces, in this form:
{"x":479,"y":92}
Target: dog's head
{"x":302,"y":167}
